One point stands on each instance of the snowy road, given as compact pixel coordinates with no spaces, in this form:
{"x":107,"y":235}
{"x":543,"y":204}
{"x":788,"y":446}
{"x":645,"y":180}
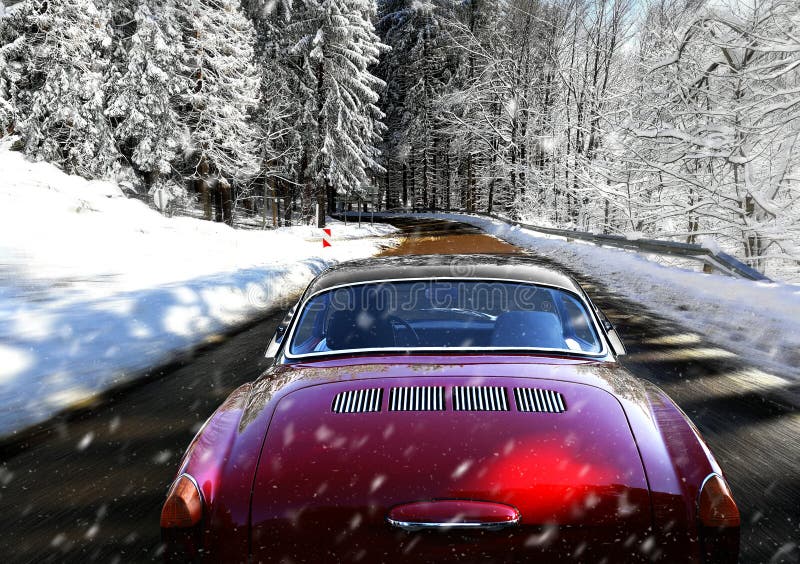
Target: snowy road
{"x":91,"y":488}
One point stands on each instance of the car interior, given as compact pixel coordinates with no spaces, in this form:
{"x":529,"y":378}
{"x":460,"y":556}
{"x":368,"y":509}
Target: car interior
{"x":431,"y":314}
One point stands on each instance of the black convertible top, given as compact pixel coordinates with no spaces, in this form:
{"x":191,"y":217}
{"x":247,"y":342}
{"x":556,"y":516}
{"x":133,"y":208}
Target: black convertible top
{"x":481,"y":266}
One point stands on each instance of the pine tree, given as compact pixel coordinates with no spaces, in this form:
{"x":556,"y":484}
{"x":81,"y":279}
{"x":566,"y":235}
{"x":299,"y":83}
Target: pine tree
{"x":9,"y":42}
{"x":277,"y":113}
{"x":336,"y":44}
{"x":145,"y":97}
{"x":223,"y":93}
{"x":67,"y":73}
{"x":415,"y":73}
{"x":18,"y":32}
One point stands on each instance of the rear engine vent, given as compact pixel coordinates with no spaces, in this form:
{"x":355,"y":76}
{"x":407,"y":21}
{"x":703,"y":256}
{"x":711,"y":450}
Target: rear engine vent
{"x":479,"y":398}
{"x":534,"y":399}
{"x":417,"y":398}
{"x":358,"y":401}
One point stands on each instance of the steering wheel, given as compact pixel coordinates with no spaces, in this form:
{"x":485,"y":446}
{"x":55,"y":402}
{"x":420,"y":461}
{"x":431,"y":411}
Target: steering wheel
{"x":406,"y":324}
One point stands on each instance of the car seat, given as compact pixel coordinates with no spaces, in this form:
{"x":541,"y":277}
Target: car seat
{"x":529,"y":329}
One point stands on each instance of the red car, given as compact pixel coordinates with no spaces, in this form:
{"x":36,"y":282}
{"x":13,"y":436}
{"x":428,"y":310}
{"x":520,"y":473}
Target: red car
{"x":434,"y":408}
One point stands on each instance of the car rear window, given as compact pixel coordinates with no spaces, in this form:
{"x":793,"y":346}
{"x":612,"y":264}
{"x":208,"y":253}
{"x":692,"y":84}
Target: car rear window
{"x":443,"y":314}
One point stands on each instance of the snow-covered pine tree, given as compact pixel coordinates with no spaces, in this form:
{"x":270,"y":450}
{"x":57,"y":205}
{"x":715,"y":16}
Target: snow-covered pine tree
{"x":8,"y":36}
{"x":67,"y":69}
{"x":336,"y":46}
{"x":223,"y":93}
{"x":122,"y":16}
{"x":415,"y":75}
{"x":144,"y":99}
{"x":392,"y":27}
{"x":278,"y":109}
{"x":18,"y":32}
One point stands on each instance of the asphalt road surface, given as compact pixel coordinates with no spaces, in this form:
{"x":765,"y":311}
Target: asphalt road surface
{"x":89,"y":487}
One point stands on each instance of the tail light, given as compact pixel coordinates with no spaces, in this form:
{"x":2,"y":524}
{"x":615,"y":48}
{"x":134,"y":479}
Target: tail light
{"x":184,"y":505}
{"x":719,"y":521}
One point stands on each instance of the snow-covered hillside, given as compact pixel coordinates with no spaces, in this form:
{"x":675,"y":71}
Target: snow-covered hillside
{"x":95,"y":287}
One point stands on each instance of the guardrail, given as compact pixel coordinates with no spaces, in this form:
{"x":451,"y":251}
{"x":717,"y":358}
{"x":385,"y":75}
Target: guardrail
{"x":719,"y":261}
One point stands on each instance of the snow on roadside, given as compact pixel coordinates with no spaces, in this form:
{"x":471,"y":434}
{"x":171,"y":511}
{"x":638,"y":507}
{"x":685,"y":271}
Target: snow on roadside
{"x":757,"y":321}
{"x":96,"y":287}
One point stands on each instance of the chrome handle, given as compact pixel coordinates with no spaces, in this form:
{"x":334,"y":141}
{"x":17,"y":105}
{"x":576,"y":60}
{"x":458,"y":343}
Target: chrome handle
{"x":452,"y":525}
{"x":450,"y":514}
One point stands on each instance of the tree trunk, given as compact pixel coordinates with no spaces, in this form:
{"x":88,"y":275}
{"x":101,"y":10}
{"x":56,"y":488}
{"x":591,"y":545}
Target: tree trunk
{"x":322,"y":192}
{"x":322,"y":188}
{"x":388,"y":193}
{"x":425,"y":185}
{"x":275,"y":202}
{"x":413,"y":174}
{"x":217,"y":198}
{"x":287,"y":206}
{"x":470,"y":203}
{"x":405,"y":185}
{"x":331,"y":196}
{"x":226,"y":200}
{"x":447,"y":180}
{"x":203,"y":188}
{"x":433,"y":198}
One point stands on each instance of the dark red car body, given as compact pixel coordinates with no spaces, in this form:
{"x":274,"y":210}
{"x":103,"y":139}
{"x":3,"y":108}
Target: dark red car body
{"x":614,"y":477}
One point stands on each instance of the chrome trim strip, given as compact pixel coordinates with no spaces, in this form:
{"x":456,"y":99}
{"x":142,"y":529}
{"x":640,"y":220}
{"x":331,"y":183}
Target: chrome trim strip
{"x":419,"y":526}
{"x":581,"y":297}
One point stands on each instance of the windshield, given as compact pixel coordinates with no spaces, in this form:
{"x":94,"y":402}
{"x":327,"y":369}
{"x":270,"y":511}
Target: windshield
{"x":443,"y":314}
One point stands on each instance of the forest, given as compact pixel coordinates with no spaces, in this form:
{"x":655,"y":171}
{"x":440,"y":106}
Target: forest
{"x":672,"y":119}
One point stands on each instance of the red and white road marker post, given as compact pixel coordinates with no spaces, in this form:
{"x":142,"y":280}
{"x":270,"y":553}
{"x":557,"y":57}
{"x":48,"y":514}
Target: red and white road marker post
{"x":326,"y":234}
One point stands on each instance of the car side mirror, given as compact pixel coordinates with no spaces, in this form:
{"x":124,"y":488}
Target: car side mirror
{"x":280,"y":334}
{"x":611,"y":333}
{"x":613,"y":337}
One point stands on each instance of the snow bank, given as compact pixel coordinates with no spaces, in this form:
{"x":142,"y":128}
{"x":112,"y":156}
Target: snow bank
{"x":95,"y":287}
{"x":756,"y":320}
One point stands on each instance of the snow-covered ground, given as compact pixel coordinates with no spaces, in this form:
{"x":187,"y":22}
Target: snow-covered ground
{"x":95,"y":287}
{"x":757,"y":321}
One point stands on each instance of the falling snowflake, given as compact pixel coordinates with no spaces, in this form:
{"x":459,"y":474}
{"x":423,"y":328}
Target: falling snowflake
{"x":85,"y":441}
